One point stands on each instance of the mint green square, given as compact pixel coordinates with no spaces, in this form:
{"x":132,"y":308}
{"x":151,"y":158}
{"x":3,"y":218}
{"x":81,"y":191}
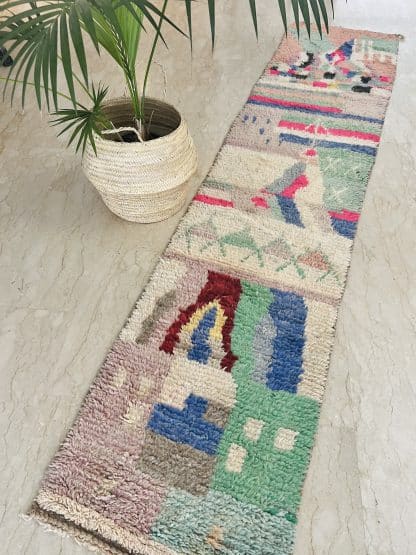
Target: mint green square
{"x":270,"y":478}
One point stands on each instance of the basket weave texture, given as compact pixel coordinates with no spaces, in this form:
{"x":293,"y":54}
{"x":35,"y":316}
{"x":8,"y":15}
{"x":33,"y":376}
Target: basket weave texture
{"x":143,"y":181}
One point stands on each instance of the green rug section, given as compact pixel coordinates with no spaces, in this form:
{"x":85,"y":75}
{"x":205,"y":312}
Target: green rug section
{"x":345,"y":176}
{"x":270,"y":478}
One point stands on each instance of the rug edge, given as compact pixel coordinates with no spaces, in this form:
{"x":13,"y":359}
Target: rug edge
{"x":116,"y":542}
{"x":398,"y":36}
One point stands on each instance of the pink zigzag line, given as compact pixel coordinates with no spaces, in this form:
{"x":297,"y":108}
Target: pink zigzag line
{"x":328,"y":131}
{"x":206,"y":199}
{"x":298,"y":183}
{"x":289,"y":103}
{"x":216,"y":201}
{"x":260,"y":202}
{"x":345,"y":215}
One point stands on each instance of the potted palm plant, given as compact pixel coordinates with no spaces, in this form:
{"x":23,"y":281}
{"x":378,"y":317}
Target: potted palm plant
{"x":137,"y":151}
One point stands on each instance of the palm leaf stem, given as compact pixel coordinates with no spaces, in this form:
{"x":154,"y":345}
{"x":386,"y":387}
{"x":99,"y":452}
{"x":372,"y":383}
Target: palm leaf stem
{"x":152,"y":53}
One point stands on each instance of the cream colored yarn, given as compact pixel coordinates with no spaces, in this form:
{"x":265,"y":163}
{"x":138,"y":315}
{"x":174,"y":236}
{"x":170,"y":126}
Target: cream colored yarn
{"x":143,"y":181}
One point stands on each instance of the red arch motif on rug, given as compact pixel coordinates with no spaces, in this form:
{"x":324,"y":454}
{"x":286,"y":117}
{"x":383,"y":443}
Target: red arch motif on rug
{"x":220,"y":289}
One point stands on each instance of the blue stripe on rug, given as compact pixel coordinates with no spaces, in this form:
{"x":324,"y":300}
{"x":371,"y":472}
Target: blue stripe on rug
{"x":286,"y":137}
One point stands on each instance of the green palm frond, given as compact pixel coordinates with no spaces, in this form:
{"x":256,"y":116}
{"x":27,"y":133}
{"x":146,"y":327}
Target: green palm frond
{"x":188,"y":5}
{"x":211,"y":9}
{"x":83,"y":121}
{"x":42,"y":36}
{"x":310,"y":11}
{"x":37,"y":34}
{"x":253,"y":10}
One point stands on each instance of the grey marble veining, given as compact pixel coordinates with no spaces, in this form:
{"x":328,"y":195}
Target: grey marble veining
{"x":71,"y":271}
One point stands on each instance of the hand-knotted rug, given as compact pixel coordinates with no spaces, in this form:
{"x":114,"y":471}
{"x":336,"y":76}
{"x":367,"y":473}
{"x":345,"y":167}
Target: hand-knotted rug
{"x":196,"y":435}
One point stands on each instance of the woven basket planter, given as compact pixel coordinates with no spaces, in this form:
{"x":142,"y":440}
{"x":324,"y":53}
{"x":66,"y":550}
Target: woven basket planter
{"x":143,"y":181}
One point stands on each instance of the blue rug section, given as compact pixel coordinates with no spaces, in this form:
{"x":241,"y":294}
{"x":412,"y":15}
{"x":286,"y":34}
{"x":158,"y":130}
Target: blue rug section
{"x":288,"y":138}
{"x":344,"y":227}
{"x":290,"y":211}
{"x":346,"y":48}
{"x":288,"y":311}
{"x":188,"y":425}
{"x":201,"y":349}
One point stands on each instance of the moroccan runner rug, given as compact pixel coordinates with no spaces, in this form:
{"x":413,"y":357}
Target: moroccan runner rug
{"x":197,"y":433}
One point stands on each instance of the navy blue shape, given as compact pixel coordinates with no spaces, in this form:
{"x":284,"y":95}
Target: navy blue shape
{"x":289,"y":210}
{"x":345,"y":48}
{"x":344,"y":227}
{"x":188,"y":425}
{"x":286,"y":137}
{"x":201,"y":350}
{"x":288,"y":312}
{"x":361,"y":89}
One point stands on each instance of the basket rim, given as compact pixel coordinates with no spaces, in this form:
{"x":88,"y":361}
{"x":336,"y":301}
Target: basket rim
{"x":159,"y":141}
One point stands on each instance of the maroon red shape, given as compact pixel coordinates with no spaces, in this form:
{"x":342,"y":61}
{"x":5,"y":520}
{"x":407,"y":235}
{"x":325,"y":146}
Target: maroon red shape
{"x":219,"y":287}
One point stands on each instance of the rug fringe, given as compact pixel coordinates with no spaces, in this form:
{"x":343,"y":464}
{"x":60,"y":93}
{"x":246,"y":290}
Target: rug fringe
{"x":57,"y":529}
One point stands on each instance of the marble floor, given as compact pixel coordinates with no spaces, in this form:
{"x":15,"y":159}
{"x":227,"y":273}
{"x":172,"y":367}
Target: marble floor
{"x":71,"y":271}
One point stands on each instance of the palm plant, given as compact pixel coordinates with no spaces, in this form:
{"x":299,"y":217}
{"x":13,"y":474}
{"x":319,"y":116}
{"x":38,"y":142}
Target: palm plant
{"x":42,"y":35}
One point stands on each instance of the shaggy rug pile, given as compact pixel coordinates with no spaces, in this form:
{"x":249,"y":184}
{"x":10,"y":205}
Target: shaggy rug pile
{"x":196,"y":435}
